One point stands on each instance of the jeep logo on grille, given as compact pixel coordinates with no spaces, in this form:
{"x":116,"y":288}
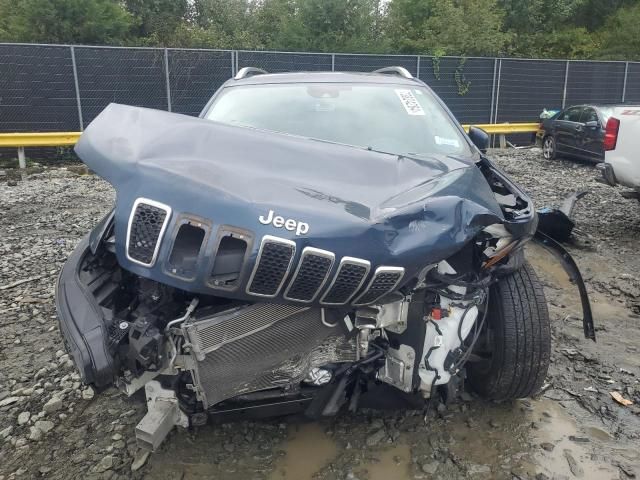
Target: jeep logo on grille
{"x":279,"y":222}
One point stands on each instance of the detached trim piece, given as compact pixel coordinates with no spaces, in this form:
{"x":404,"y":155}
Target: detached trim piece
{"x":308,"y":276}
{"x":270,"y":248}
{"x":152,"y":203}
{"x":384,"y":281}
{"x":569,"y":265}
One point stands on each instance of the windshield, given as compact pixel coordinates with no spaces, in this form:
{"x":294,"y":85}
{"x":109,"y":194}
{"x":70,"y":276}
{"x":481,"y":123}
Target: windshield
{"x":388,"y":118}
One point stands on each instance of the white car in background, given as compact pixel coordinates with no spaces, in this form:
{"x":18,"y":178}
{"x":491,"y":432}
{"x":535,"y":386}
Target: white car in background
{"x":622,"y":148}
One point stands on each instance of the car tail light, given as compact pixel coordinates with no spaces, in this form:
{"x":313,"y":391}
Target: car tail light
{"x":611,"y":133}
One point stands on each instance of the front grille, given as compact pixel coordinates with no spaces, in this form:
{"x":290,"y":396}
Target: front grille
{"x":384,"y":281}
{"x":350,"y":276}
{"x":272,"y":265}
{"x":312,"y":272}
{"x":146,"y":226}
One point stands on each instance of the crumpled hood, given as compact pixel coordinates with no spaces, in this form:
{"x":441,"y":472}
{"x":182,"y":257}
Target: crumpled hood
{"x":390,"y":210}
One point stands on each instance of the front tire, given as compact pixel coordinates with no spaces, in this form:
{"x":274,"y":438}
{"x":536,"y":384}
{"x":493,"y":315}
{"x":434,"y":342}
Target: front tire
{"x":549,"y":151}
{"x":517,"y":339}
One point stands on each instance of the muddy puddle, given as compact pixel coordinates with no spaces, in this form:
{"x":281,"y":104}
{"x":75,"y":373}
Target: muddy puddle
{"x":306,"y":450}
{"x":392,"y":463}
{"x":308,"y":453}
{"x":524,"y":439}
{"x":451,"y":445}
{"x":565,"y":450}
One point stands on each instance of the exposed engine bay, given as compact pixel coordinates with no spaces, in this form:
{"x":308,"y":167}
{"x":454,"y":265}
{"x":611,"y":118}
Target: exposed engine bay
{"x":219,"y":298}
{"x":211,"y":350}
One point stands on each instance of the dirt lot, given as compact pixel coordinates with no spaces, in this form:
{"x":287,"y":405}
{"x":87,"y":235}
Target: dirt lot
{"x":50,"y":426}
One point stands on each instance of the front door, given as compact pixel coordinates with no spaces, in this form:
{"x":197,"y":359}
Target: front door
{"x":590,"y":140}
{"x":567,"y":128}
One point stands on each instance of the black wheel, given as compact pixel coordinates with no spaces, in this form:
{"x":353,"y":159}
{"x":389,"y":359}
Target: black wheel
{"x":515,"y":347}
{"x":549,"y":148}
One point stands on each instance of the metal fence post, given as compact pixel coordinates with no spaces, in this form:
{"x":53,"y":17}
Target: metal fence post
{"x":333,"y":62}
{"x":418,"y":66}
{"x":22,"y":160}
{"x":166,"y":77}
{"x":624,"y":85}
{"x":233,"y":64}
{"x":77,"y":86}
{"x":497,"y":98}
{"x":493,"y":88}
{"x":564,"y":90}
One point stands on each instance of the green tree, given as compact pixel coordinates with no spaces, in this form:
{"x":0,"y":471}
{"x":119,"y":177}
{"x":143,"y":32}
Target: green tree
{"x":232,"y":20}
{"x":620,"y":36}
{"x":338,"y":25}
{"x":545,"y":28}
{"x":315,"y":25}
{"x":277,"y":25}
{"x":533,"y":28}
{"x":193,"y":36}
{"x":157,"y":20}
{"x":4,"y":17}
{"x":65,"y":21}
{"x":593,"y":14}
{"x":449,"y":27}
{"x":566,"y":42}
{"x":564,"y":28}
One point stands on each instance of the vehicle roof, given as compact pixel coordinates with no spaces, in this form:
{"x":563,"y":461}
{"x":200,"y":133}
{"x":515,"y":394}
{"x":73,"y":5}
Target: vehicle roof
{"x":604,"y":105}
{"x":322,"y":77}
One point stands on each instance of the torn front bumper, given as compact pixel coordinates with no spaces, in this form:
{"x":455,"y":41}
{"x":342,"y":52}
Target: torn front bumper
{"x":81,"y":322}
{"x":569,"y":265}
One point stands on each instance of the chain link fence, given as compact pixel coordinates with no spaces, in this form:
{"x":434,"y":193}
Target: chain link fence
{"x":37,"y":91}
{"x":631,"y":91}
{"x":194,"y":75}
{"x":63,"y":88}
{"x":277,"y":62}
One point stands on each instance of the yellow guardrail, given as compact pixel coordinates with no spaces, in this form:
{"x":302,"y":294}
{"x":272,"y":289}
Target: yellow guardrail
{"x":65,"y":139}
{"x":39,"y":139}
{"x":506,"y":128}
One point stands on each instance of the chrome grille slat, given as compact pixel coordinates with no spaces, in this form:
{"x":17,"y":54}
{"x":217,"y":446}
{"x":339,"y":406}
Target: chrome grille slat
{"x":384,"y":280}
{"x":147,"y":224}
{"x":273,"y":263}
{"x":310,"y":276}
{"x":351,"y":274}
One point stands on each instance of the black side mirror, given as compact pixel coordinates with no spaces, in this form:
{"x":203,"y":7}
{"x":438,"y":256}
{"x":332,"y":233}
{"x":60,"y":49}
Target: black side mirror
{"x":480,"y":138}
{"x":592,"y":124}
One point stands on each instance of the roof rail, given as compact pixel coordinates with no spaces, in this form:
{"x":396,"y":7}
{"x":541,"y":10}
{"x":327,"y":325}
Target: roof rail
{"x":403,"y":72}
{"x":245,"y":72}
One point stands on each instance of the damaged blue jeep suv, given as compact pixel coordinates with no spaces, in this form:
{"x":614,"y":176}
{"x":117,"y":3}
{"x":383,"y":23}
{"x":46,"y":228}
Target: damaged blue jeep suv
{"x":311,"y":240}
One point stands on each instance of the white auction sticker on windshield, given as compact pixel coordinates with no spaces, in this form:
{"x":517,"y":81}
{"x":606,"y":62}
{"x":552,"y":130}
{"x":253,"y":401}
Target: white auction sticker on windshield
{"x":450,"y":142}
{"x":410,"y":102}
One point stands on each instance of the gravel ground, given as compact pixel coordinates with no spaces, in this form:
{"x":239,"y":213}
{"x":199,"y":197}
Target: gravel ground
{"x":53,"y":427}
